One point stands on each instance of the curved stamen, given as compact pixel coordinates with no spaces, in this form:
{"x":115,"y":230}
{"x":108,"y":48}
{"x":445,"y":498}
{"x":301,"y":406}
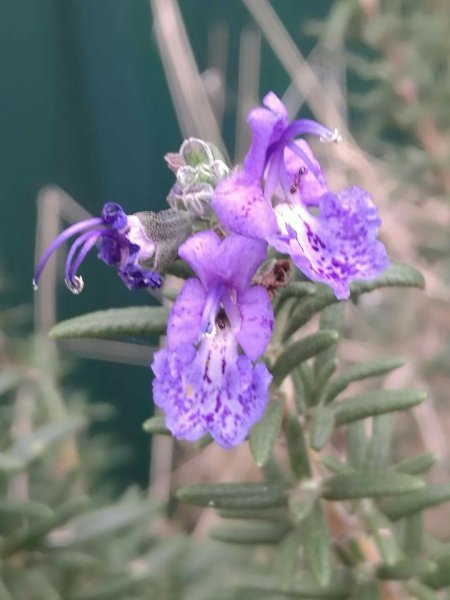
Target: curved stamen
{"x":305,"y":158}
{"x":75,"y":283}
{"x":208,"y":322}
{"x":70,"y":271}
{"x":62,"y":237}
{"x":302,"y":127}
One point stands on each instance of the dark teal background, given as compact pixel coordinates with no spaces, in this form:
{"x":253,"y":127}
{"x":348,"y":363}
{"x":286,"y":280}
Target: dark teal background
{"x":84,"y":104}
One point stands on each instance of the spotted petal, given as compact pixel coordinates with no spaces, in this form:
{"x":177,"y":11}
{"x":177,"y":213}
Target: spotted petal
{"x":240,"y":204}
{"x":237,"y":259}
{"x":213,"y":390}
{"x":306,"y":179}
{"x":338,"y":246}
{"x":198,"y":251}
{"x":256,"y":321}
{"x":186,"y":314}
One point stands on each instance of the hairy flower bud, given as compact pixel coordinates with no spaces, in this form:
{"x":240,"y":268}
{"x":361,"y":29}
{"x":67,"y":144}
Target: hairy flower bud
{"x":199,"y":167}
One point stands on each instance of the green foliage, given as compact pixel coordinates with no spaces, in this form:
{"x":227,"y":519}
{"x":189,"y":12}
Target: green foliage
{"x":114,"y":322}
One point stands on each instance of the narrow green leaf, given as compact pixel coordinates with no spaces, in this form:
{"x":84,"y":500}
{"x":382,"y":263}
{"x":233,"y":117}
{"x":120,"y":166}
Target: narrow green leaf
{"x":330,"y":318}
{"x":397,"y":275}
{"x":316,"y":543}
{"x":364,"y":484}
{"x":300,"y":351}
{"x":252,"y":533}
{"x":322,"y":378}
{"x":9,"y":464}
{"x":36,"y":533}
{"x":262,"y":514}
{"x":413,"y":534}
{"x":155,"y":425}
{"x":121,"y":587}
{"x":96,"y":524}
{"x":264,"y":434}
{"x":297,"y":289}
{"x":234,"y":495}
{"x":298,"y":452}
{"x":334,"y":464}
{"x":416,"y":501}
{"x":356,"y":445}
{"x":359,"y":372}
{"x":406,"y":568}
{"x":114,"y":322}
{"x":416,"y":465}
{"x":31,"y":447}
{"x":420,"y":591}
{"x":302,"y":500}
{"x":322,"y":425}
{"x":379,"y":445}
{"x":381,"y":529}
{"x":375,"y":403}
{"x":267,"y":587}
{"x":287,"y":558}
{"x":31,"y":509}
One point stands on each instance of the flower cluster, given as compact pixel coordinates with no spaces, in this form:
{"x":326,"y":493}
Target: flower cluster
{"x":208,"y":379}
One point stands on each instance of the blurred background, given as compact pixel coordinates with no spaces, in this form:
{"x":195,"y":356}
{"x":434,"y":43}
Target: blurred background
{"x":95,"y":93}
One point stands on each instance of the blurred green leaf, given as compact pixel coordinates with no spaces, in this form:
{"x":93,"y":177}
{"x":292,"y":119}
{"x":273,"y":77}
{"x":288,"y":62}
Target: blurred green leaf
{"x":287,"y":558}
{"x":156,"y":425}
{"x":379,"y":444}
{"x":407,"y":568}
{"x":114,"y":322}
{"x":416,"y":465}
{"x":266,"y":587}
{"x":31,"y":508}
{"x":297,"y":450}
{"x":251,"y":533}
{"x":334,"y":464}
{"x":322,"y":424}
{"x":416,"y":501}
{"x":396,"y":275}
{"x":298,"y":352}
{"x":234,"y":495}
{"x":362,"y":484}
{"x":94,"y":525}
{"x":9,"y":465}
{"x":264,"y":434}
{"x":359,"y":372}
{"x":375,"y":403}
{"x":30,"y":447}
{"x":316,"y":543}
{"x":356,"y":445}
{"x":36,"y":533}
{"x":385,"y":537}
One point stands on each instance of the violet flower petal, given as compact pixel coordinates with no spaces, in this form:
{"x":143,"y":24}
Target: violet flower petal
{"x":213,"y":390}
{"x":185,"y":317}
{"x":237,"y":259}
{"x":267,"y":125}
{"x":240,"y":204}
{"x":256,"y":321}
{"x":199,"y":252}
{"x":338,"y":246}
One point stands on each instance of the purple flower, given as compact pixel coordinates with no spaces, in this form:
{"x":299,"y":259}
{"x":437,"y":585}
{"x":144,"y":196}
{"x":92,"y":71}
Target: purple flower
{"x":202,"y":382}
{"x":281,"y":196}
{"x":123,"y":242}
